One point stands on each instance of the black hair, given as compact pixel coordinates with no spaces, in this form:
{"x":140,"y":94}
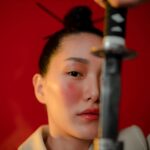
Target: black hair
{"x":77,"y":20}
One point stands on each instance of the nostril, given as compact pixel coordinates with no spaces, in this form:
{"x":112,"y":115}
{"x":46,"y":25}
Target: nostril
{"x":89,"y":98}
{"x":98,"y":101}
{"x":94,"y":99}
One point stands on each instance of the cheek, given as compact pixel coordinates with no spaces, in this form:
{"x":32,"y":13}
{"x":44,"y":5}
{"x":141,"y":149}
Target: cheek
{"x":71,"y":92}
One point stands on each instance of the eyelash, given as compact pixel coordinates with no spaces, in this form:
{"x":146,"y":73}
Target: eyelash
{"x":75,"y":74}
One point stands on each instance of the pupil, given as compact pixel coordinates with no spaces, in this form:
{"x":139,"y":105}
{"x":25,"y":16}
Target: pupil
{"x":74,"y":73}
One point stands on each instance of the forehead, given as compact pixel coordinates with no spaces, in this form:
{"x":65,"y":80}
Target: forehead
{"x":77,"y":45}
{"x":80,"y":43}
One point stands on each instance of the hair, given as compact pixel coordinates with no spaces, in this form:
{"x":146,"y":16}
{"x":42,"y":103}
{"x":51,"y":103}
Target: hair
{"x":77,"y":20}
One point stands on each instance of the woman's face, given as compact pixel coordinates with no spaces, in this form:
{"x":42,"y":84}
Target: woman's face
{"x":71,"y":87}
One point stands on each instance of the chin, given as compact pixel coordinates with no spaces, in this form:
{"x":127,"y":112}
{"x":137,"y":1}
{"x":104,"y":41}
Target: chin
{"x":88,"y":136}
{"x":88,"y":133}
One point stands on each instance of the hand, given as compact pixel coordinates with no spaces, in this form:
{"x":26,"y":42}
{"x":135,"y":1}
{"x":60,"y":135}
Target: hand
{"x":118,"y":3}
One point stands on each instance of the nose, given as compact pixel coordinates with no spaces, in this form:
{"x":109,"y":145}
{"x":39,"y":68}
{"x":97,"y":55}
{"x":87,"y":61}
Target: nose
{"x":93,"y":90}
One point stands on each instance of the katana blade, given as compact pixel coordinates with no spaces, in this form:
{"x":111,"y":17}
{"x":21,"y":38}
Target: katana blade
{"x":114,"y":50}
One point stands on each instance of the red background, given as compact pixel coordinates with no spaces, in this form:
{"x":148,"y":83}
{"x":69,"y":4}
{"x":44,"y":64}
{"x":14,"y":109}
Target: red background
{"x":23,"y":26}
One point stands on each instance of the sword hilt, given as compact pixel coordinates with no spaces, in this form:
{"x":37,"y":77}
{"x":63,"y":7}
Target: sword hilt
{"x":114,"y":34}
{"x":115,"y":23}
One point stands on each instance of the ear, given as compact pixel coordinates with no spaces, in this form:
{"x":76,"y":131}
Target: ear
{"x":38,"y":85}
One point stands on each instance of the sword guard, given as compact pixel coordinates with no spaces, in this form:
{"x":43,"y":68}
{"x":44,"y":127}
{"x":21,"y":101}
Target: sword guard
{"x":118,"y":52}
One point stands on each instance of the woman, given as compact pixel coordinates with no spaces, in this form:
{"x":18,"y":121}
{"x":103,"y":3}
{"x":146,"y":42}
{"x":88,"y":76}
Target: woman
{"x":68,"y":82}
{"x":68,"y":85}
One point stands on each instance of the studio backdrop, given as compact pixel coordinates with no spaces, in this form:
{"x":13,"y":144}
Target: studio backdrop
{"x":23,"y":28}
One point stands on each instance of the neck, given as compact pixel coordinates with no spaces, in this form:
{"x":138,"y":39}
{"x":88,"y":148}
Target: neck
{"x":67,"y":143}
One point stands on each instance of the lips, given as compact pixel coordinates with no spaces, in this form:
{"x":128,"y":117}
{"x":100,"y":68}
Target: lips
{"x":90,"y":114}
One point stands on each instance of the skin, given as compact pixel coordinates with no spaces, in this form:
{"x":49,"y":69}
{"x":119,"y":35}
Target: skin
{"x":120,"y":3}
{"x":70,"y":86}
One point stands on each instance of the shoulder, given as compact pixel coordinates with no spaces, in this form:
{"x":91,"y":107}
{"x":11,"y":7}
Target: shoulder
{"x":36,"y":141}
{"x":134,"y":139}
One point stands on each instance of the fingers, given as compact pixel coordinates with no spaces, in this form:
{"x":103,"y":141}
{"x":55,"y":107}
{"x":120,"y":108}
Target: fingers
{"x":119,"y":3}
{"x":101,"y":3}
{"x":114,"y":3}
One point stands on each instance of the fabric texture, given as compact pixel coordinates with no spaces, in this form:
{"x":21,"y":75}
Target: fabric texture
{"x":148,"y":141}
{"x":132,"y":138}
{"x":36,"y":140}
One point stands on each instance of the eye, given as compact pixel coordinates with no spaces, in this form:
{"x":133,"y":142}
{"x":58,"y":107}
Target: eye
{"x":74,"y":74}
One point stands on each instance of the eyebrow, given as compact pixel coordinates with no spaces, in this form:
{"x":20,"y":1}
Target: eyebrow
{"x":77,"y":59}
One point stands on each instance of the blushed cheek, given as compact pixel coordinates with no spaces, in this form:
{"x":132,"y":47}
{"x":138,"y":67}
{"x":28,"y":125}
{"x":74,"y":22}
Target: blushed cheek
{"x":71,"y":93}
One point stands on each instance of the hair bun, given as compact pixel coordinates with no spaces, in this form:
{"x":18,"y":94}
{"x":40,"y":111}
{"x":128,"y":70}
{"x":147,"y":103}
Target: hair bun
{"x":78,"y":18}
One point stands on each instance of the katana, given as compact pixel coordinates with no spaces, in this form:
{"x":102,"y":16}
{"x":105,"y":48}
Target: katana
{"x":114,"y":51}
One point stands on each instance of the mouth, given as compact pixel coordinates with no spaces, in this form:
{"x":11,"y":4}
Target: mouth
{"x":90,"y":114}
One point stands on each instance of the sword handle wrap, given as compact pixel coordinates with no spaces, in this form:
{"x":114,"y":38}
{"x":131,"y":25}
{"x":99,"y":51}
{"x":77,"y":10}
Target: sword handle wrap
{"x":115,"y":21}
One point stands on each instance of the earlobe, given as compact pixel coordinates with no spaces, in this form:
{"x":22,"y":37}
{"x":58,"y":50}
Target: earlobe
{"x":37,"y":81}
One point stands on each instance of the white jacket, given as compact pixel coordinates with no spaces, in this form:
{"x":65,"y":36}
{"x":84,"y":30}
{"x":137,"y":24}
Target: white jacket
{"x":132,"y":138}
